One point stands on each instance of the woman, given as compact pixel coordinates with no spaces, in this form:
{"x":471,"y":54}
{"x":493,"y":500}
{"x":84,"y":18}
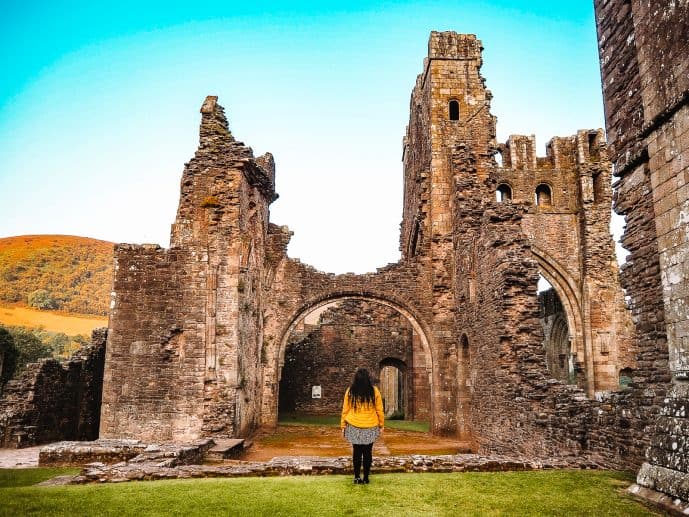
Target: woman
{"x":362,"y":421}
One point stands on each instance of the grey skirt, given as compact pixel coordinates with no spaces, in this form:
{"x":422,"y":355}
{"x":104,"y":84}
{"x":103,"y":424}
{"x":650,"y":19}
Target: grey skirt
{"x":361,"y":435}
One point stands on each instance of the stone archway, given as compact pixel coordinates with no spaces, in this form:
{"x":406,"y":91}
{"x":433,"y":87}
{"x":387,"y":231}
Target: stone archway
{"x":272,"y":396}
{"x":568,"y":291}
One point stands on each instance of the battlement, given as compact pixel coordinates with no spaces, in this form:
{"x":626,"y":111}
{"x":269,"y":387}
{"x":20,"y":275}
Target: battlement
{"x":452,"y":45}
{"x":587,"y":146}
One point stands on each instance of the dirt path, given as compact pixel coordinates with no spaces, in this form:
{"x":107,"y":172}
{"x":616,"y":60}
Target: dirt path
{"x":19,"y":458}
{"x":328,"y":441}
{"x":293,"y":440}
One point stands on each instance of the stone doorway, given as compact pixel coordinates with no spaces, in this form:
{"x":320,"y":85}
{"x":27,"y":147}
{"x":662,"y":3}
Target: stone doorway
{"x":393,"y":388}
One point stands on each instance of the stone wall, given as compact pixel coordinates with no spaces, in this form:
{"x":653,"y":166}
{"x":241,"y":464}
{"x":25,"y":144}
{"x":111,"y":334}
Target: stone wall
{"x":55,"y":400}
{"x":184,"y":349}
{"x":644,"y":63}
{"x":349,"y":336}
{"x":200,"y":332}
{"x":569,"y":232}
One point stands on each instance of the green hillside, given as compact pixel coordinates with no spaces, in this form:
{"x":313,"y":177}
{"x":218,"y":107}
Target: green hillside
{"x":56,"y":272}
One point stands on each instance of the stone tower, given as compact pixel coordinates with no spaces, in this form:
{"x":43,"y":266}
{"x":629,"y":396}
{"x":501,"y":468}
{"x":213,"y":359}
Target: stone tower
{"x":184,"y":343}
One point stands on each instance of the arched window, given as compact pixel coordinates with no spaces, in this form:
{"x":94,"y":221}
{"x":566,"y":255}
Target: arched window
{"x":543,"y":195}
{"x":454,"y":110}
{"x":503,"y":194}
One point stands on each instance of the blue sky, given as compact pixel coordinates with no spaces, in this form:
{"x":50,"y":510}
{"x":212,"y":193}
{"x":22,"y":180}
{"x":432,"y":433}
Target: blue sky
{"x":99,"y":106}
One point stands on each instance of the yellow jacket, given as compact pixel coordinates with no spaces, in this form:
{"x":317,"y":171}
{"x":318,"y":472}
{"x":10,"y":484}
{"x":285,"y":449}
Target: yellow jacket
{"x":368,"y":415}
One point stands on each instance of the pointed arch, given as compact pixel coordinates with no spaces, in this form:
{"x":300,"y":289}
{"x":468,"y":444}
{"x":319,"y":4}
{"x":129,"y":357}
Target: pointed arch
{"x":569,"y":292}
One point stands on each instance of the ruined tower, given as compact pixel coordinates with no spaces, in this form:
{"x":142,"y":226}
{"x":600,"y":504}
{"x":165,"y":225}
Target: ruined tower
{"x":184,"y":342}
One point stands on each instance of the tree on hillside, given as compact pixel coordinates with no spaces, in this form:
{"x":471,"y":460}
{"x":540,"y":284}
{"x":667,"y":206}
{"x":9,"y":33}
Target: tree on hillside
{"x":42,"y":299}
{"x":29,"y":345}
{"x":8,"y":356}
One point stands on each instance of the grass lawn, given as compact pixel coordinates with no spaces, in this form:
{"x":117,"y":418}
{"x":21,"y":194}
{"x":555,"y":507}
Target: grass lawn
{"x":334,"y":420}
{"x":570,"y":493}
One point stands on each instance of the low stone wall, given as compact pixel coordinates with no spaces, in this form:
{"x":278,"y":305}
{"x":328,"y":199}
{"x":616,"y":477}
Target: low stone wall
{"x":121,"y":452}
{"x":310,"y":465}
{"x":54,"y":400}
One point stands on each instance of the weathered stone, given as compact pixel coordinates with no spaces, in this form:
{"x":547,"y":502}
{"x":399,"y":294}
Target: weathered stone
{"x":313,"y":465}
{"x":200,"y":332}
{"x":643,"y":53}
{"x":55,"y":400}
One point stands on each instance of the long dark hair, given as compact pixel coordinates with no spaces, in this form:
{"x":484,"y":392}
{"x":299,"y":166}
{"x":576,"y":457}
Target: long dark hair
{"x":361,"y":390}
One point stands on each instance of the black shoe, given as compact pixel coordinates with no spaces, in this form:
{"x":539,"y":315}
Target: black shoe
{"x":358,"y":481}
{"x":364,"y":481}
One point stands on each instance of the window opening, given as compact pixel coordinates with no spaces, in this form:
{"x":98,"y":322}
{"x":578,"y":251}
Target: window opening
{"x":544,"y":196}
{"x":454,"y":110}
{"x":503,"y":194}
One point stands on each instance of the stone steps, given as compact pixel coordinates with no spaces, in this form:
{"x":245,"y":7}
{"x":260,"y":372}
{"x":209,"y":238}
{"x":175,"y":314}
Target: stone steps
{"x":225,"y":449}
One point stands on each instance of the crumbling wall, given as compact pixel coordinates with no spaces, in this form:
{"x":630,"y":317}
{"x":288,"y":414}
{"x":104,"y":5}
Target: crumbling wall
{"x":185,"y":344}
{"x":643,"y":53}
{"x":154,"y":361}
{"x":498,"y":313}
{"x":55,"y":400}
{"x":569,"y":231}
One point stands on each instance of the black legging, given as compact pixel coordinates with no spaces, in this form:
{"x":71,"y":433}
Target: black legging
{"x":360,"y":452}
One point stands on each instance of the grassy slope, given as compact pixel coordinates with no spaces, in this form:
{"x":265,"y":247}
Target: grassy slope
{"x":50,"y":321}
{"x":506,"y":493}
{"x":77,"y":271}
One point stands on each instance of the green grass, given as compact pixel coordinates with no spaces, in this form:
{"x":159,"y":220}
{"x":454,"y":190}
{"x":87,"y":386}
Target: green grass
{"x":334,"y":420}
{"x":298,"y":419}
{"x":13,"y":478}
{"x":594,"y":493}
{"x":408,"y":425}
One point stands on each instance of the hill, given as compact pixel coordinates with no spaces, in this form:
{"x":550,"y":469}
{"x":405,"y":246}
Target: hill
{"x":67,"y":273}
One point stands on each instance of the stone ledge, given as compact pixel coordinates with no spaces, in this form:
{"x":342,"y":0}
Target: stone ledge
{"x":313,"y":465}
{"x":671,"y":482}
{"x":660,"y":500}
{"x":123,"y":451}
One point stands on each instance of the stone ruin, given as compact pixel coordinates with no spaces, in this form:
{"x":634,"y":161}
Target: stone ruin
{"x":55,"y":400}
{"x":202,"y":335}
{"x":209,"y":338}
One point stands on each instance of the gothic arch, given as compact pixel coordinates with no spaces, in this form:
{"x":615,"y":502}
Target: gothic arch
{"x":568,"y":290}
{"x":416,"y":322}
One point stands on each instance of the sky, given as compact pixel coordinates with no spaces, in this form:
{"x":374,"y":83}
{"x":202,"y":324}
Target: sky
{"x":99,"y":106}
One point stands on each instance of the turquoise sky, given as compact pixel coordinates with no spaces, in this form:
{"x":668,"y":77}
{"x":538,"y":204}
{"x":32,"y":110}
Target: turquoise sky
{"x":99,"y":106}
